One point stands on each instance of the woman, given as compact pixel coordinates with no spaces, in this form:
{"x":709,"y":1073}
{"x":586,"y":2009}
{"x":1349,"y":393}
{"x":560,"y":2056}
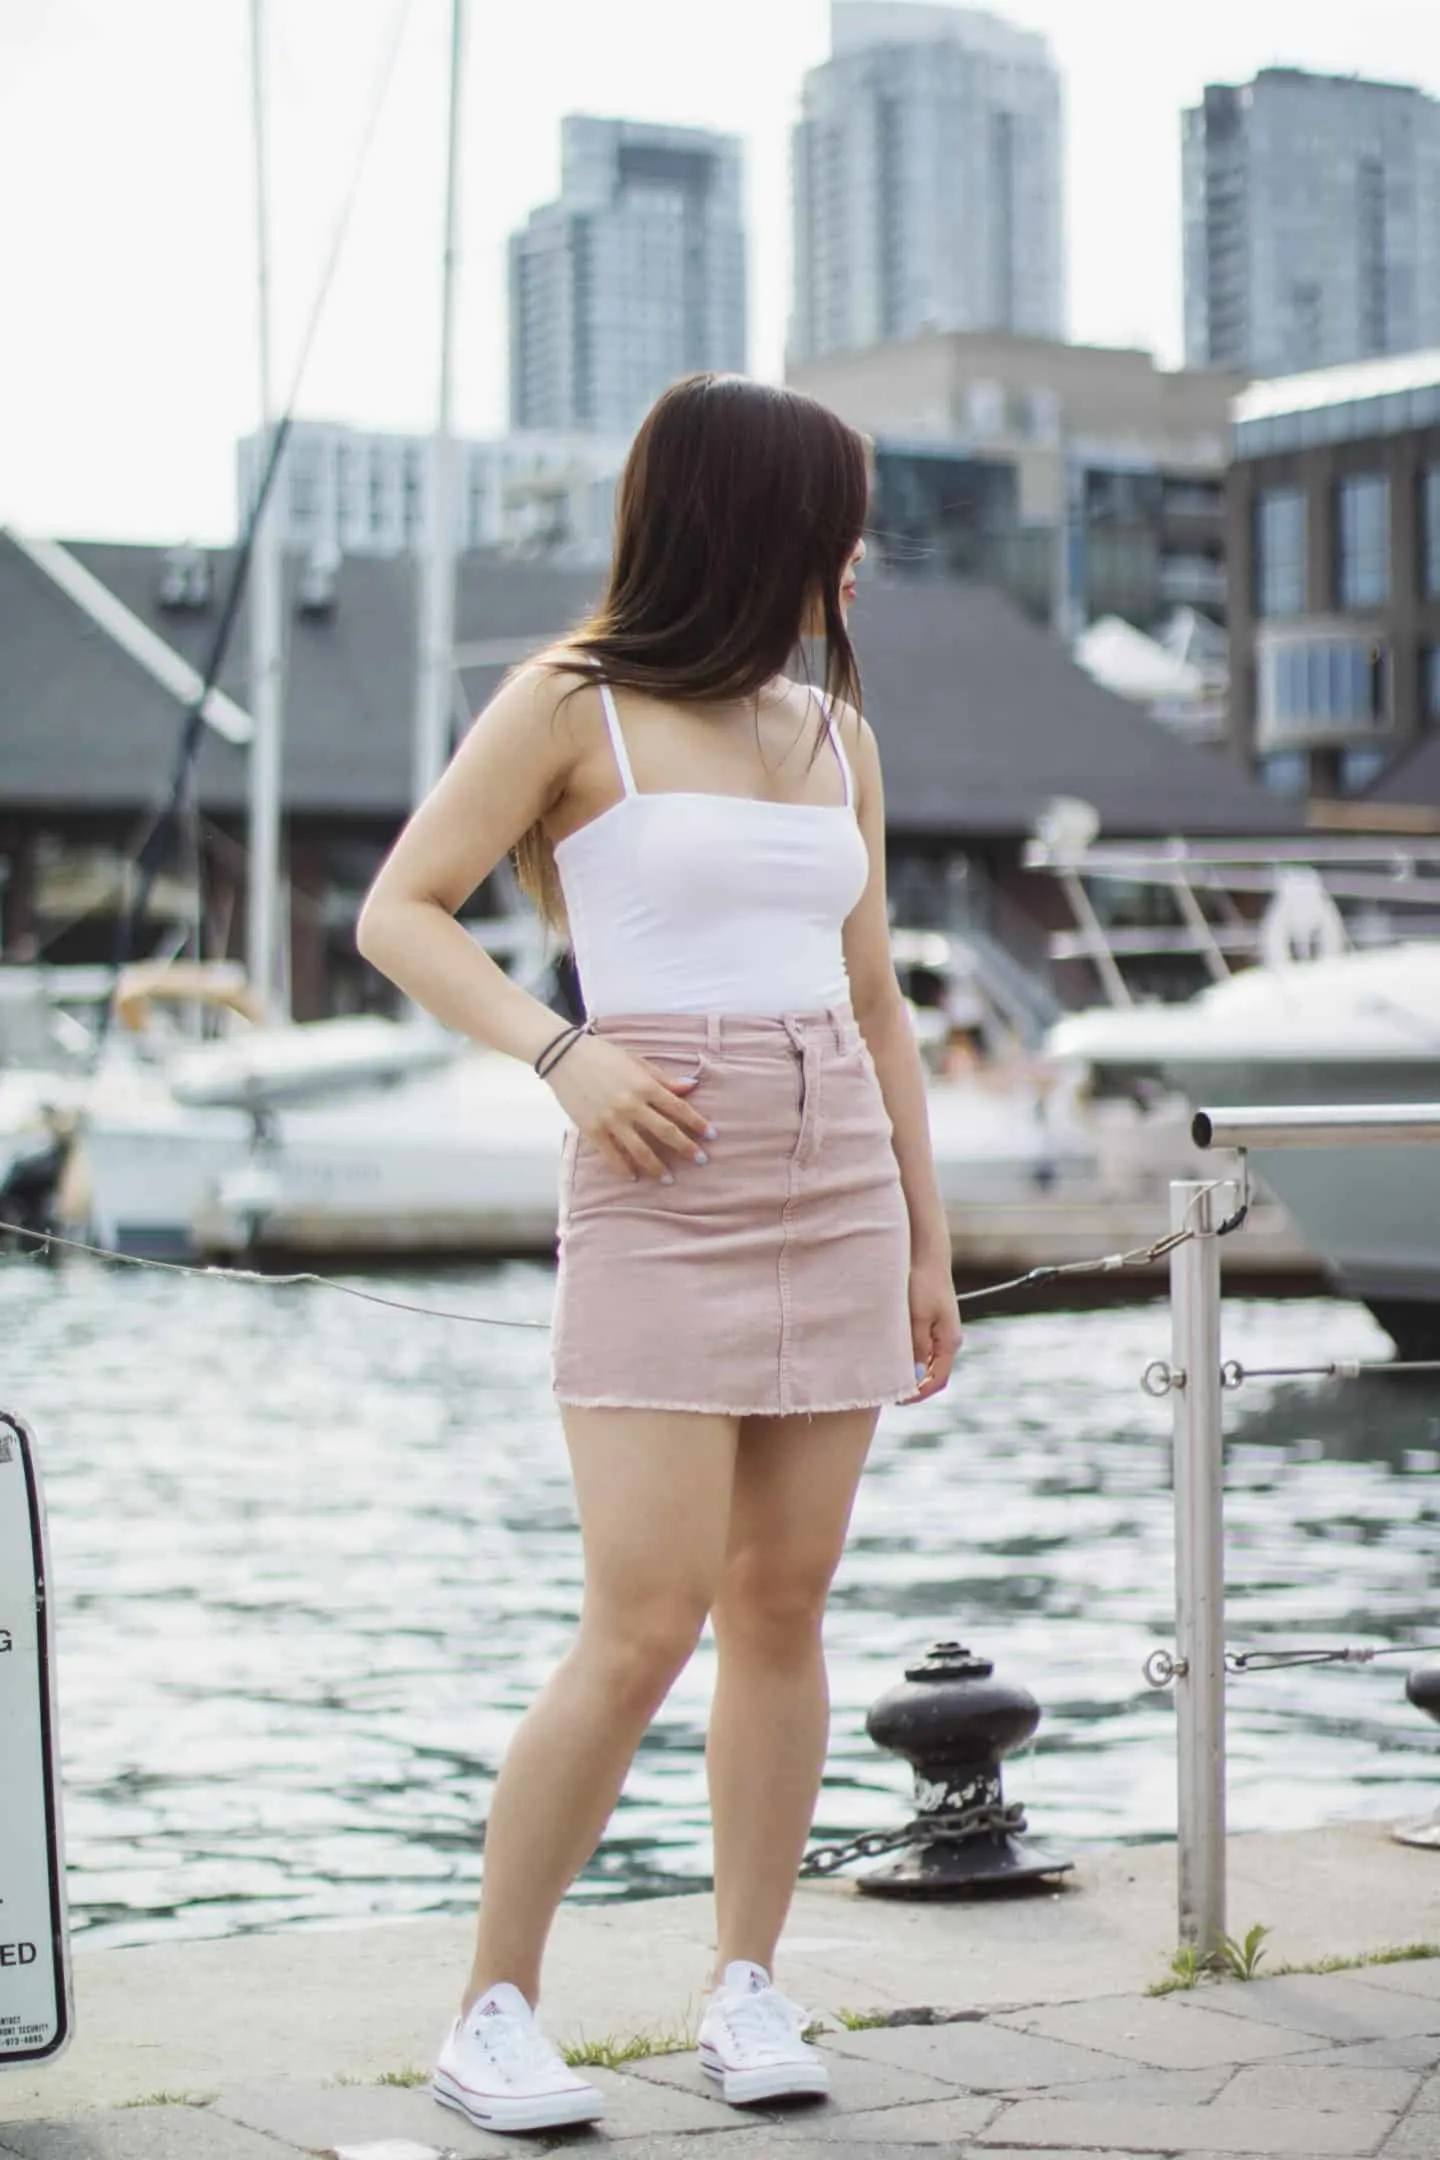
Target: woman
{"x":753,"y":1253}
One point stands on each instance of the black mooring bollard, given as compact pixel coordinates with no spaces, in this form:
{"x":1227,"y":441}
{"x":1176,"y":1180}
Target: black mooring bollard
{"x":1422,"y":1687}
{"x":955,"y":1723}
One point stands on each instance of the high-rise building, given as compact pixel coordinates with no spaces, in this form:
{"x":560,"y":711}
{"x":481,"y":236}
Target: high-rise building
{"x":1312,"y":222}
{"x":634,"y":277}
{"x":343,"y":491}
{"x":927,"y":180}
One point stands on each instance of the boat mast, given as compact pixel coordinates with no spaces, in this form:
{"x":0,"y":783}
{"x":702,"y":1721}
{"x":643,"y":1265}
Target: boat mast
{"x":267,"y":625}
{"x":436,"y":626}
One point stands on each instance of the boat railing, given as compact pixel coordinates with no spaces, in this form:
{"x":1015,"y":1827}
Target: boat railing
{"x":1221,"y":898}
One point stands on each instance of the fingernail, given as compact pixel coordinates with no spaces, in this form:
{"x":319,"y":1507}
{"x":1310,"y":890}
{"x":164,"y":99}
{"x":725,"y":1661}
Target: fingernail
{"x":701,"y":1156}
{"x":667,"y":1177}
{"x":710,"y":1133}
{"x":920,"y":1372}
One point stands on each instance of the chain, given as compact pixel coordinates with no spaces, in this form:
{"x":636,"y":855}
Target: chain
{"x":985,"y":1819}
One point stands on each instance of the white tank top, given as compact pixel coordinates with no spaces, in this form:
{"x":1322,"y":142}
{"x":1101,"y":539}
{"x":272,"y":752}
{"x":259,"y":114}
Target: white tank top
{"x":691,"y":903}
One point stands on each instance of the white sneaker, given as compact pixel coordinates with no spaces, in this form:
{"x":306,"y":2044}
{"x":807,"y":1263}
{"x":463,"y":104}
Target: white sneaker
{"x":750,"y":2041}
{"x":497,"y":2068}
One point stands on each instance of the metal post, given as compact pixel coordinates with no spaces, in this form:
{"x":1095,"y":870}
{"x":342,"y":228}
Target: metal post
{"x":267,"y":609}
{"x":434,"y":703}
{"x":1199,"y":1567}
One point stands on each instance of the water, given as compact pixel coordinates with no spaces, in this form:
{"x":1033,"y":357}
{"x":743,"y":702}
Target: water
{"x":312,"y":1560}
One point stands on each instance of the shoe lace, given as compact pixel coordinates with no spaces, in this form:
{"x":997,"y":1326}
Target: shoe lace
{"x":765,"y":2016}
{"x":516,"y":2050}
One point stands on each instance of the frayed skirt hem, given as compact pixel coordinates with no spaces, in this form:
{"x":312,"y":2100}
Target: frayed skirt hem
{"x":737,"y":1410}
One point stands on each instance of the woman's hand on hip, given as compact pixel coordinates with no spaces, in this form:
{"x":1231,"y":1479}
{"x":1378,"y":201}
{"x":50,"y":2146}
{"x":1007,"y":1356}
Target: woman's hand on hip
{"x":633,"y":1114}
{"x":934,"y":1326}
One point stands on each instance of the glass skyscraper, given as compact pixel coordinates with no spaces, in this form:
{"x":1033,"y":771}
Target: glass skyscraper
{"x":927,"y":180}
{"x":1312,"y":222}
{"x":634,"y":277}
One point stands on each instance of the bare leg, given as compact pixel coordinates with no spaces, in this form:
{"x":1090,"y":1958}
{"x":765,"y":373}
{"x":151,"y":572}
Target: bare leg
{"x":795,"y":1482}
{"x":653,"y":1490}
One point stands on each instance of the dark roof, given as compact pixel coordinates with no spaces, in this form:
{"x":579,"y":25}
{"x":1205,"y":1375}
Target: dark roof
{"x":1414,"y":778}
{"x":981,"y":716}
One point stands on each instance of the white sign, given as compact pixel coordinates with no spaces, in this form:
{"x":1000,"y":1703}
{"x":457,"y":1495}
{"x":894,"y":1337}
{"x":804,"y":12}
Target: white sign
{"x":35,"y":2002}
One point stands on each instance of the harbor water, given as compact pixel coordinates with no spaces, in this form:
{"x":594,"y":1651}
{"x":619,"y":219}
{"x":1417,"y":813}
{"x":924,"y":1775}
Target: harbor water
{"x":312,"y":1557}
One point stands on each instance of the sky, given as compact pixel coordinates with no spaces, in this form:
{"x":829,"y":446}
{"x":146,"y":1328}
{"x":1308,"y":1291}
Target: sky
{"x":128,"y":360}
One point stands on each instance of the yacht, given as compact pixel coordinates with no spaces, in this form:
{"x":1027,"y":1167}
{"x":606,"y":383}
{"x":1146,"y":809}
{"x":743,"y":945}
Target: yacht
{"x":369,"y":1138}
{"x":1350,"y":1026}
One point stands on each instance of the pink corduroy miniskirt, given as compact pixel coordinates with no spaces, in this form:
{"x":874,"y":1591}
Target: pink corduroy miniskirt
{"x":771,"y":1281}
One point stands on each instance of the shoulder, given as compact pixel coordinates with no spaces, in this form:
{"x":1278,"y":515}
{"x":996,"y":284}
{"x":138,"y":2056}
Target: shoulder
{"x":856,"y":735}
{"x":849,"y":724}
{"x":554,"y":689}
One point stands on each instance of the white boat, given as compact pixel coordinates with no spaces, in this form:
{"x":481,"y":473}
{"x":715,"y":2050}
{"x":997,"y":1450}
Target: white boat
{"x":366,"y":1138}
{"x":1349,"y":1027}
{"x":162,"y":1139}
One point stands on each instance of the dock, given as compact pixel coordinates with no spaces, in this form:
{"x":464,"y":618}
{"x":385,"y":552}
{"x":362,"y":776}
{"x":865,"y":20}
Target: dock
{"x":991,"y":1241}
{"x":1019,"y":2025}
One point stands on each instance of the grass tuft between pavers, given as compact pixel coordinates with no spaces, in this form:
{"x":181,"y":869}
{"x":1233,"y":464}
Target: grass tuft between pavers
{"x":171,"y":2099}
{"x":1243,"y":1962}
{"x":613,"y":2050}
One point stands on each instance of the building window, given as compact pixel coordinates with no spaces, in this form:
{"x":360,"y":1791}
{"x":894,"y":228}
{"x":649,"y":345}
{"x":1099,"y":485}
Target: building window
{"x":1430,"y":683}
{"x":1322,"y":688}
{"x":1285,"y":772}
{"x":1430,"y":530}
{"x":1359,"y":767}
{"x":1362,"y":540}
{"x":1280,"y":552}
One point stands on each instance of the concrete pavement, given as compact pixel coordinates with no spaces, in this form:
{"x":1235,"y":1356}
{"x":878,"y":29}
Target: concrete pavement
{"x":1021,"y":2027}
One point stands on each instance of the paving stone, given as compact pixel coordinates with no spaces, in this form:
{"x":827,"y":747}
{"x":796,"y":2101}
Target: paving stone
{"x":139,"y":2133}
{"x":1414,"y":2139}
{"x":1167,"y":2088}
{"x":1321,"y":2084}
{"x":756,"y":2145}
{"x":854,"y":2084}
{"x":1157,"y":2031}
{"x":1418,"y":2052}
{"x":1306,"y":2133}
{"x":985,"y":2057}
{"x":312,"y":2117}
{"x":1411,"y":1976}
{"x":1427,"y":2100}
{"x":926,"y":2122}
{"x":1331,"y":2005}
{"x":639,"y":2107}
{"x":1031,"y":2152}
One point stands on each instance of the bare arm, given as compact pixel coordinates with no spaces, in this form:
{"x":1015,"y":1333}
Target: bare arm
{"x":511,"y":766}
{"x":510,"y":770}
{"x":885,"y":1024}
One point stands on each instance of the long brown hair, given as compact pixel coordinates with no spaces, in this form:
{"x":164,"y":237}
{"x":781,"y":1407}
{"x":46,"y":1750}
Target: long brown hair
{"x":739,"y":507}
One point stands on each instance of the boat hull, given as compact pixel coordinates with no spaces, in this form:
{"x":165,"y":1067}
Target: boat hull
{"x":1371,"y":1213}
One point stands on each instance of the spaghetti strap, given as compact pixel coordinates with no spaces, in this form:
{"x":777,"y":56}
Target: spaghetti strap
{"x":838,"y":747}
{"x":617,"y":739}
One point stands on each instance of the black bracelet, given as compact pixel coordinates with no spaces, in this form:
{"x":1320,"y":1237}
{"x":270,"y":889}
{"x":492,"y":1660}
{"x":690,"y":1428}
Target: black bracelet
{"x":554,"y":1051}
{"x":563,"y":1036}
